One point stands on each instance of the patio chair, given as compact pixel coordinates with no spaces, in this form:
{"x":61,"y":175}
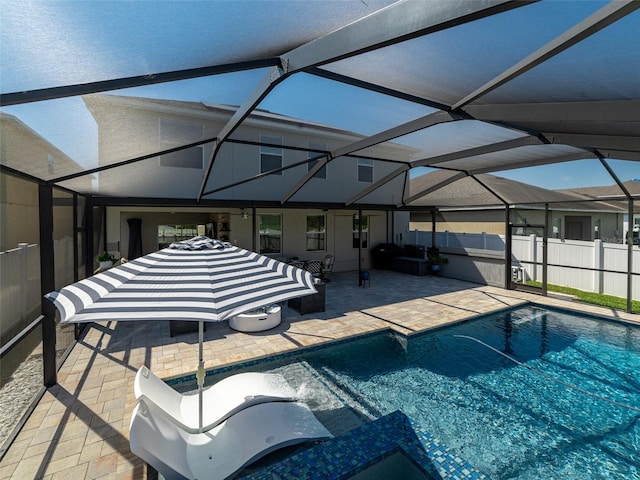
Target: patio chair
{"x":219,"y":402}
{"x":327,"y":267}
{"x":224,"y":450}
{"x":315,"y":267}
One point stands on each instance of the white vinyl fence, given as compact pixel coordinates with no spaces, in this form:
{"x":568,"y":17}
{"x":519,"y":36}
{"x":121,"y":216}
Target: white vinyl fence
{"x":607,"y":258}
{"x":586,"y":257}
{"x":19,"y":287}
{"x":20,"y":300}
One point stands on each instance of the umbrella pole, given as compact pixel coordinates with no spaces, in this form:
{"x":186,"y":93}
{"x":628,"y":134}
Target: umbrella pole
{"x":200,"y":373}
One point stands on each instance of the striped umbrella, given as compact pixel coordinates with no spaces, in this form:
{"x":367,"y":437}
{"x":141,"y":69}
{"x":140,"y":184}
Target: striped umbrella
{"x":199,"y":280}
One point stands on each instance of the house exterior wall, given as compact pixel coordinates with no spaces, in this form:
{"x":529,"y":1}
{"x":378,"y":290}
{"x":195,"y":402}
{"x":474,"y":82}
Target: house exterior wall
{"x":19,"y":216}
{"x":130,"y":127}
{"x":138,"y":122}
{"x":492,"y":222}
{"x":338,"y":240}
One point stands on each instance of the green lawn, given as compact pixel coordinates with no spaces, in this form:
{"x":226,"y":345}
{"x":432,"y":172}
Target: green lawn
{"x":610,"y":301}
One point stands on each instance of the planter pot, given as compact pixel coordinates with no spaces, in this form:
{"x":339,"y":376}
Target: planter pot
{"x":105,"y":265}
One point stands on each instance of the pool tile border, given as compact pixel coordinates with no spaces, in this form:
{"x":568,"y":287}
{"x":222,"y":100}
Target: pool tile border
{"x":353,"y":452}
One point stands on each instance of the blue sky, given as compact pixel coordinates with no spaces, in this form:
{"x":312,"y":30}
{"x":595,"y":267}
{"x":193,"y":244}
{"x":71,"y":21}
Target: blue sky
{"x":68,"y":125}
{"x":91,"y":36}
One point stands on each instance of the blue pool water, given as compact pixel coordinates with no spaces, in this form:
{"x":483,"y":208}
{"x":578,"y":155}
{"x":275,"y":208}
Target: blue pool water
{"x":510,"y":421}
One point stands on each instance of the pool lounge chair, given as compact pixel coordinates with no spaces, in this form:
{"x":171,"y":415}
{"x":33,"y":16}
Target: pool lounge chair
{"x":225,"y":449}
{"x":219,"y":401}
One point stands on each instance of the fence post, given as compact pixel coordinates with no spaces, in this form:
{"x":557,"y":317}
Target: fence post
{"x":533,"y":255}
{"x":598,"y":265}
{"x":23,"y":279}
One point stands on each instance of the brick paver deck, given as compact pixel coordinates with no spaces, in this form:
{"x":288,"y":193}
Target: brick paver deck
{"x":80,"y":427}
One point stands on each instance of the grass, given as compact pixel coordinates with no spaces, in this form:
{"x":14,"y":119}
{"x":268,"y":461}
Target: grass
{"x":600,"y":299}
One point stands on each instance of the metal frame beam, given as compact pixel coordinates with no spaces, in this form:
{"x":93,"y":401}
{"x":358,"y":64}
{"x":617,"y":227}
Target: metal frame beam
{"x":53,"y":93}
{"x":427,"y":121}
{"x":268,"y":83}
{"x":630,"y":212}
{"x":534,"y":163}
{"x":397,"y":23}
{"x":482,"y":150}
{"x":437,"y":186}
{"x":376,"y":185}
{"x":337,"y":77}
{"x":607,"y":15}
{"x":560,"y":113}
{"x":47,"y":284}
{"x":621,"y":142}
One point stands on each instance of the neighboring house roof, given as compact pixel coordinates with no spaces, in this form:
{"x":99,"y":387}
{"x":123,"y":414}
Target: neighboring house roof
{"x":470,"y":192}
{"x":606,"y":191}
{"x":19,"y":143}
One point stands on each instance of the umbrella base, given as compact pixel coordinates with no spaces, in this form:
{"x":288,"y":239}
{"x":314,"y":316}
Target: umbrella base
{"x":257,"y":322}
{"x":177,"y":327}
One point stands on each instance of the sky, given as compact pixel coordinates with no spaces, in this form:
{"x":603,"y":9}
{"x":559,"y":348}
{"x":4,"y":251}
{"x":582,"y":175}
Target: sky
{"x":97,"y":51}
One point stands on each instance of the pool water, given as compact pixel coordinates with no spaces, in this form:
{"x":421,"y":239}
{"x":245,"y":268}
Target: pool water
{"x":509,"y":420}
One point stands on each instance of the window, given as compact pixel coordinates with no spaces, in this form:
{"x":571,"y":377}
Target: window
{"x":51,"y":163}
{"x":174,"y":133}
{"x":365,"y":170}
{"x":167,"y":234}
{"x":187,"y":158}
{"x":364,"y":220}
{"x":316,"y":233}
{"x":317,"y":148}
{"x":270,"y":156}
{"x":270,"y":233}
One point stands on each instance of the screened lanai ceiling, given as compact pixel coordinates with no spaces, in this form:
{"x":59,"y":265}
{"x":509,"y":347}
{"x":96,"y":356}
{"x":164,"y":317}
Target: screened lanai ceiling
{"x":330,"y":102}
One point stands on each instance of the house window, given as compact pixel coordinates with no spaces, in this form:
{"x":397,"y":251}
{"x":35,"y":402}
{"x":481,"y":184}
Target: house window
{"x":317,"y":148}
{"x":316,"y":233}
{"x":51,"y":164}
{"x":174,"y":133}
{"x":270,"y":156}
{"x":270,"y":233}
{"x":357,"y":221}
{"x":365,"y":170}
{"x":167,"y":234}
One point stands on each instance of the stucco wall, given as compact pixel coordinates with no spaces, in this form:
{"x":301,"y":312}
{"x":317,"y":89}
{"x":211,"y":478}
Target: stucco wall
{"x":339,"y":237}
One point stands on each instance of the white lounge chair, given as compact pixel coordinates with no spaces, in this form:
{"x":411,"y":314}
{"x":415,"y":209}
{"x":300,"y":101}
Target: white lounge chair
{"x":225,"y":449}
{"x":219,"y":401}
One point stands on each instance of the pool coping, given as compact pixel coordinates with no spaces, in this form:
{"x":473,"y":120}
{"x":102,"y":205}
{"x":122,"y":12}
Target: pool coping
{"x":353,"y":452}
{"x":389,"y":330}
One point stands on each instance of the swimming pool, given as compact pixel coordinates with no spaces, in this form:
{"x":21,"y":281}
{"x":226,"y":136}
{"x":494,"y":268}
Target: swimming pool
{"x":558,"y":398}
{"x":507,"y":420}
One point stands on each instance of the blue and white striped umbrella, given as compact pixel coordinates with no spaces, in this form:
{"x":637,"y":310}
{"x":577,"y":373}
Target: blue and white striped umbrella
{"x":199,"y":280}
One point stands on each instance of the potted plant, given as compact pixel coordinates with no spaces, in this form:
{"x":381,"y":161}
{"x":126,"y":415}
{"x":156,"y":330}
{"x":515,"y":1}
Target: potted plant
{"x":436,"y":260}
{"x":106,"y":260}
